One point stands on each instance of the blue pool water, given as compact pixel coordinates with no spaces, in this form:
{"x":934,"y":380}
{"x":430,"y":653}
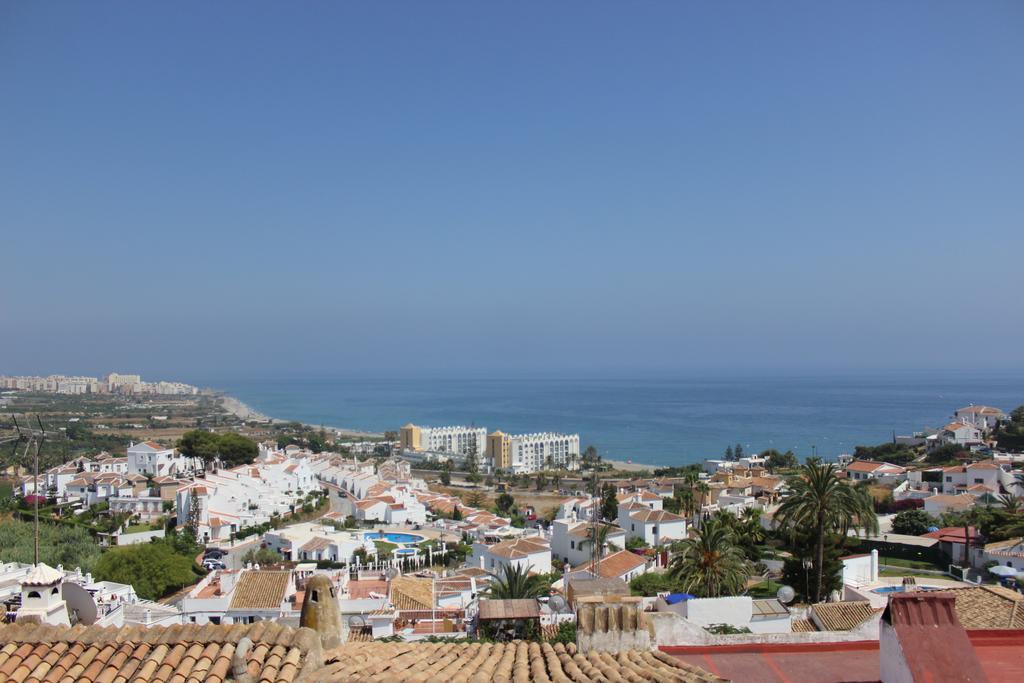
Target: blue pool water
{"x":391,"y":537}
{"x":405,"y":551}
{"x":885,"y":590}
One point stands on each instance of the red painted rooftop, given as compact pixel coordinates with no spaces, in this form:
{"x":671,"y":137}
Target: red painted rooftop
{"x":849,"y":662}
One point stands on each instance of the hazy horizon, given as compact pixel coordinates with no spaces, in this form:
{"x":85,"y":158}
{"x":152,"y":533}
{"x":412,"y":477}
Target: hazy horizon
{"x":253,"y":189}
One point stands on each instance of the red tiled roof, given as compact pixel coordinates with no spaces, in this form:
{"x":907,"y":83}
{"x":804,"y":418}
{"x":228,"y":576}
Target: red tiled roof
{"x":952,"y":534}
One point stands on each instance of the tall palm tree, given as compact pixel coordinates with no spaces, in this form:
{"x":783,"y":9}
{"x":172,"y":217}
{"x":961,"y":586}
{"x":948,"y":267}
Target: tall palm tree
{"x":597,"y":541}
{"x":516,"y":583}
{"x":822,"y":502}
{"x":1010,"y":503}
{"x":710,"y":564}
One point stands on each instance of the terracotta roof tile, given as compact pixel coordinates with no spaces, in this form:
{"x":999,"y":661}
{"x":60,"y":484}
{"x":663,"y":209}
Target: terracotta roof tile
{"x":176,"y":653}
{"x":842,"y":616}
{"x":260,"y":589}
{"x":517,"y":660}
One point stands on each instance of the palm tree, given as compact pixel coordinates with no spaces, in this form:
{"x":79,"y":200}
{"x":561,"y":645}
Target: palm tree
{"x":597,"y":541}
{"x":1010,"y":503}
{"x":710,"y":564}
{"x":516,"y":583}
{"x":823,"y":503}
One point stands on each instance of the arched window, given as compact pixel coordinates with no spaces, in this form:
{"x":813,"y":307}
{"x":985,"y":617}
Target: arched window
{"x":55,"y":591}
{"x":34,"y":594}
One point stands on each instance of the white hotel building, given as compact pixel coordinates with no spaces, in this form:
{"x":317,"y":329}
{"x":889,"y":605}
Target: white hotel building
{"x":534,"y":452}
{"x":454,"y":440}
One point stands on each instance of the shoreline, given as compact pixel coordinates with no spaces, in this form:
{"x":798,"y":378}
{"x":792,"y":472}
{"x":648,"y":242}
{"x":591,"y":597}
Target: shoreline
{"x":624,"y":466}
{"x":245,"y":412}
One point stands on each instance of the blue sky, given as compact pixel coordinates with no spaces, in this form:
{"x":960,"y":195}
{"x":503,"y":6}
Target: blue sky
{"x":501,"y":189}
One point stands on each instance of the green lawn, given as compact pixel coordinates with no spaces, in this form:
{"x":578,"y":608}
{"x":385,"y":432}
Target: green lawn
{"x":908,"y":572}
{"x":384,"y":548}
{"x":765,"y":589}
{"x":910,"y":564}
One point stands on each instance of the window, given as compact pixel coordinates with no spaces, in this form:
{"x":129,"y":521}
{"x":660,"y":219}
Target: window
{"x":215,"y":620}
{"x":979,"y":481}
{"x":313,"y":596}
{"x":34,"y":594}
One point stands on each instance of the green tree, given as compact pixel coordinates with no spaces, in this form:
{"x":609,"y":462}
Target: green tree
{"x":446,"y":473}
{"x":711,"y":565}
{"x":738,"y":451}
{"x":474,"y":499}
{"x":236,"y":449}
{"x":152,"y":568}
{"x":541,"y":482}
{"x":912,"y":522}
{"x":729,"y":454}
{"x":780,"y":461}
{"x":822,"y":502}
{"x":515,"y":582}
{"x":504,"y":504}
{"x":609,"y":503}
{"x":199,"y":443}
{"x":70,"y":546}
{"x":261,"y":556}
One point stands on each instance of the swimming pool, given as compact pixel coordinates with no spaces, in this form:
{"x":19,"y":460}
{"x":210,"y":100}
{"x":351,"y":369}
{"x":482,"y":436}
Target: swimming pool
{"x":403,"y":552}
{"x":885,"y":590}
{"x":392,"y":537}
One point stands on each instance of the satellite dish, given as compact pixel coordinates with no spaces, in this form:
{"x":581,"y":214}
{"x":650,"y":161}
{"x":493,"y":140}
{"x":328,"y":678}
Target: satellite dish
{"x":81,"y":606}
{"x":557,"y":603}
{"x":356,"y":621}
{"x":786,"y":595}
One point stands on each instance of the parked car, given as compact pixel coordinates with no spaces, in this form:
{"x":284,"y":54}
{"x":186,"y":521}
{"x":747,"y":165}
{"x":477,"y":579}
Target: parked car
{"x":210,"y":565}
{"x":213,"y":553}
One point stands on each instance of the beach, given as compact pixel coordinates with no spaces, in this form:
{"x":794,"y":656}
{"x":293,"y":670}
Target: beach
{"x":244,"y":412}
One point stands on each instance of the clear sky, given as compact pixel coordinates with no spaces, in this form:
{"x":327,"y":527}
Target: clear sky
{"x":210,"y":189}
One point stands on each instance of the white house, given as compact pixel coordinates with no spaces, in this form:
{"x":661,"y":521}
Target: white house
{"x":945,"y":502}
{"x":984,"y":418}
{"x":532,"y":554}
{"x":569,"y":540}
{"x":961,"y":434}
{"x":960,"y":478}
{"x":1008,"y":553}
{"x":623,"y":565}
{"x":652,"y":526}
{"x":153,"y":459}
{"x":862,"y":470}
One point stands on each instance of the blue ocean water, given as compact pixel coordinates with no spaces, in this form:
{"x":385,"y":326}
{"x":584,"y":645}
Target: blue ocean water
{"x":655,"y":421}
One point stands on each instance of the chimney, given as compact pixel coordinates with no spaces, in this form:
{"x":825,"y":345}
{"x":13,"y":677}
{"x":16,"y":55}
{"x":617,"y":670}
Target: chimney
{"x":605,"y":625}
{"x":921,"y":639}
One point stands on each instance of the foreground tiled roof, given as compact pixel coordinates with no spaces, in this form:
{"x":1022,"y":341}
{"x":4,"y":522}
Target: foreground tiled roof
{"x":843,"y":616}
{"x":515,"y":661}
{"x":174,"y":653}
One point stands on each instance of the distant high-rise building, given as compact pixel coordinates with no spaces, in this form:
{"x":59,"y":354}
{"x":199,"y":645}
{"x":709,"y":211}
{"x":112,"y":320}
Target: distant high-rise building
{"x":453,"y":440}
{"x":499,"y":450}
{"x":534,"y":452}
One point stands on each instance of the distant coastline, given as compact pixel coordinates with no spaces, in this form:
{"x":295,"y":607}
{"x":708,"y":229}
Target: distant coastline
{"x":653,"y":423}
{"x":243,"y":411}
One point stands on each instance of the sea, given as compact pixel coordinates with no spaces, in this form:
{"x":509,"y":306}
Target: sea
{"x":663,"y":421}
